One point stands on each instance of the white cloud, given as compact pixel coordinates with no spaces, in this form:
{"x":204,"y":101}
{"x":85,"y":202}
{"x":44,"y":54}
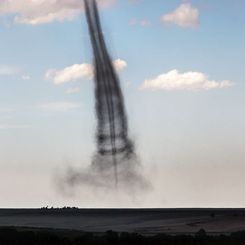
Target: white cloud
{"x":143,"y":22}
{"x":36,"y":12}
{"x":120,"y":64}
{"x":70,"y":73}
{"x":184,"y":16}
{"x":7,"y":70}
{"x":78,"y":71}
{"x":73,"y":90}
{"x":59,"y":106}
{"x":192,"y":81}
{"x":25,"y":77}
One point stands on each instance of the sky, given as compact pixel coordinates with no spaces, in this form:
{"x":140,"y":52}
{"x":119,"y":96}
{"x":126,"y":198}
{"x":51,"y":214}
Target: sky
{"x":181,"y":65}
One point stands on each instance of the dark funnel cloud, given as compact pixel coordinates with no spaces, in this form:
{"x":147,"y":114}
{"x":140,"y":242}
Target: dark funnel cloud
{"x":115,"y":162}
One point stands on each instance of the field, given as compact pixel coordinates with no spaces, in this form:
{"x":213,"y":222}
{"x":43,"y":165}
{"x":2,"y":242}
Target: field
{"x":142,"y":221}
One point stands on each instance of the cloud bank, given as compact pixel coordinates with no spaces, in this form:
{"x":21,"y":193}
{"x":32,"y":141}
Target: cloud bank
{"x":184,"y":16}
{"x":192,"y":81}
{"x":35,"y":12}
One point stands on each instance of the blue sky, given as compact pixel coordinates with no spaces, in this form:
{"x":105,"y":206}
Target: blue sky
{"x":181,"y":65}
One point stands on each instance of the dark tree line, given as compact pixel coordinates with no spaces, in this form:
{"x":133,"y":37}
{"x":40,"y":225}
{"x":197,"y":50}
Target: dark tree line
{"x":13,"y":236}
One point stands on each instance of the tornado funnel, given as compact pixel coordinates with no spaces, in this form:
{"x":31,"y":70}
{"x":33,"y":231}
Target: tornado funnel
{"x":114,"y":147}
